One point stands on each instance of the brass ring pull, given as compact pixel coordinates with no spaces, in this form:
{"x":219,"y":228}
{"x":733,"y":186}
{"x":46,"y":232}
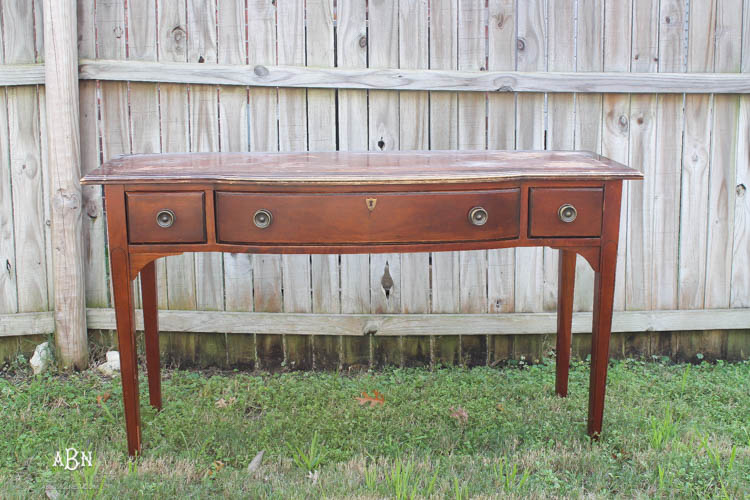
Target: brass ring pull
{"x":262,"y":218}
{"x":478,"y":216}
{"x":567,"y":213}
{"x":165,"y":218}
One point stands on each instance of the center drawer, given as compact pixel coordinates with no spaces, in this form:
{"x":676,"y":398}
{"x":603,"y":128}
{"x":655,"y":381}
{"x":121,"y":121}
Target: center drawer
{"x":367,"y":217}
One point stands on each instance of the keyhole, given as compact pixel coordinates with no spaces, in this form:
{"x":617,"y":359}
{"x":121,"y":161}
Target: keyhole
{"x":386,"y":281}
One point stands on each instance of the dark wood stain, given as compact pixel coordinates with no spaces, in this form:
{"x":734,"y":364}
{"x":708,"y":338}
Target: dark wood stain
{"x":361,"y":203}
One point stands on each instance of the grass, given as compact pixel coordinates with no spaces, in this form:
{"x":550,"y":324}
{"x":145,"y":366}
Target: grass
{"x":669,"y":431}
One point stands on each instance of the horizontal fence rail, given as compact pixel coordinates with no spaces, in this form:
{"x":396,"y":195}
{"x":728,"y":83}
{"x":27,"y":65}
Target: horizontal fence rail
{"x":390,"y":79}
{"x":386,"y":325}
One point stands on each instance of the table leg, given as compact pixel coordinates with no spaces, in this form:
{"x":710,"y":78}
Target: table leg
{"x":122,"y":287}
{"x":565,"y":287}
{"x":149,"y":294}
{"x":604,"y":293}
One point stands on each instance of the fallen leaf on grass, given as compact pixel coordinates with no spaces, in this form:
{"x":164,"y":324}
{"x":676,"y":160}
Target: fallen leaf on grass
{"x":102,"y":398}
{"x":216,"y":467}
{"x":223,"y":403}
{"x":376,"y":399}
{"x":499,"y":407}
{"x":460,"y":414}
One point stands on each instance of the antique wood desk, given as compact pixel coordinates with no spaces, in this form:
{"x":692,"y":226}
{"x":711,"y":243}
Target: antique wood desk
{"x":416,"y":201}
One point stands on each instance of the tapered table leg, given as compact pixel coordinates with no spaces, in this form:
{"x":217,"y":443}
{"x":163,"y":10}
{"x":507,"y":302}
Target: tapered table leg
{"x":122,"y":286}
{"x":151,"y":329}
{"x":565,"y":288}
{"x":604,"y":293}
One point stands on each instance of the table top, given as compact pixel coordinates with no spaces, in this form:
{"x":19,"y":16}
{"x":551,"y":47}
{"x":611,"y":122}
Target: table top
{"x":358,"y":167}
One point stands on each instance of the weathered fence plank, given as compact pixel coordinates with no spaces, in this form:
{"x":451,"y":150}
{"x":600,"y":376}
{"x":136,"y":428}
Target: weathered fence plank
{"x":352,"y":47}
{"x":501,"y":134}
{"x":444,"y":135}
{"x":26,"y":170}
{"x":402,"y":79}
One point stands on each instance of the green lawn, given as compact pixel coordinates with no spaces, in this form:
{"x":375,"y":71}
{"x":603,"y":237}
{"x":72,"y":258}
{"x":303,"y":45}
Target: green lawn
{"x":669,"y":431}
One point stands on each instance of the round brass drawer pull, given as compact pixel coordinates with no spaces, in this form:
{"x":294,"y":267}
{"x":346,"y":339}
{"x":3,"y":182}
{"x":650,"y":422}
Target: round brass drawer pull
{"x":478,"y":216}
{"x":567,"y":213}
{"x":165,"y":218}
{"x":262,"y":218}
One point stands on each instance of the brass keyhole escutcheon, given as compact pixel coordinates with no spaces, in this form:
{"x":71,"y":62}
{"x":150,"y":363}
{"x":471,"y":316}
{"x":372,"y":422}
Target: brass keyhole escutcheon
{"x":262,"y":218}
{"x":165,"y":218}
{"x":478,"y":216}
{"x":567,"y":213}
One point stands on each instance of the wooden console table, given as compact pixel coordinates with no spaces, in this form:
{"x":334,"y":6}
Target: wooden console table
{"x":416,"y":201}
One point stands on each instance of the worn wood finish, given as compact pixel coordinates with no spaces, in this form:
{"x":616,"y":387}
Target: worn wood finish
{"x":428,"y":204}
{"x":63,"y":164}
{"x":359,"y":168}
{"x":404,"y":79}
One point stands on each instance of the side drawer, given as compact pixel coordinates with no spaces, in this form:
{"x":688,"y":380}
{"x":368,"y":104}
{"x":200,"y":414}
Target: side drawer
{"x":166,"y":217}
{"x":556,"y":212}
{"x":366,"y":217}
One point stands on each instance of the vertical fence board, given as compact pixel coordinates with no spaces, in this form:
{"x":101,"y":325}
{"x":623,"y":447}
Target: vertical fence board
{"x":639,"y":257}
{"x":94,"y":221}
{"x":321,"y":120}
{"x":8,"y":291}
{"x":352,"y":46}
{"x":721,"y":186}
{"x":204,"y":136}
{"x":26,"y":168}
{"x":667,"y":175}
{"x":296,"y":273}
{"x":740,"y":282}
{"x":414,"y":134}
{"x":264,"y":136}
{"x":561,"y":117}
{"x":616,"y":117}
{"x":501,"y":134}
{"x":385,"y":269}
{"x":443,"y":54}
{"x":530,"y":135}
{"x":233,"y":136}
{"x":588,"y":120}
{"x":143,"y":100}
{"x":472,"y":133}
{"x":695,"y":160}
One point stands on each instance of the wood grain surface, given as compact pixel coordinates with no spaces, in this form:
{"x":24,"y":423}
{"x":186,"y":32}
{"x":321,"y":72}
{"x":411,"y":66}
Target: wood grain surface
{"x":359,"y":167}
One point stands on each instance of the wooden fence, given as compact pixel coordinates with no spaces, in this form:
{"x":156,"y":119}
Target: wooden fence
{"x":656,"y":84}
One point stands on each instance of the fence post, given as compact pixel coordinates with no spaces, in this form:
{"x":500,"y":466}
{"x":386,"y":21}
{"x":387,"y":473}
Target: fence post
{"x":63,"y":144}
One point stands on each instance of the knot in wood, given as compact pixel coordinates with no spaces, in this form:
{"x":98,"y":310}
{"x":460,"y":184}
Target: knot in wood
{"x":260,"y":71}
{"x":92,"y":209}
{"x":521,"y":44}
{"x":178,"y":34}
{"x":63,"y":200}
{"x":741,"y":190}
{"x":623,"y":123}
{"x":363,"y":41}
